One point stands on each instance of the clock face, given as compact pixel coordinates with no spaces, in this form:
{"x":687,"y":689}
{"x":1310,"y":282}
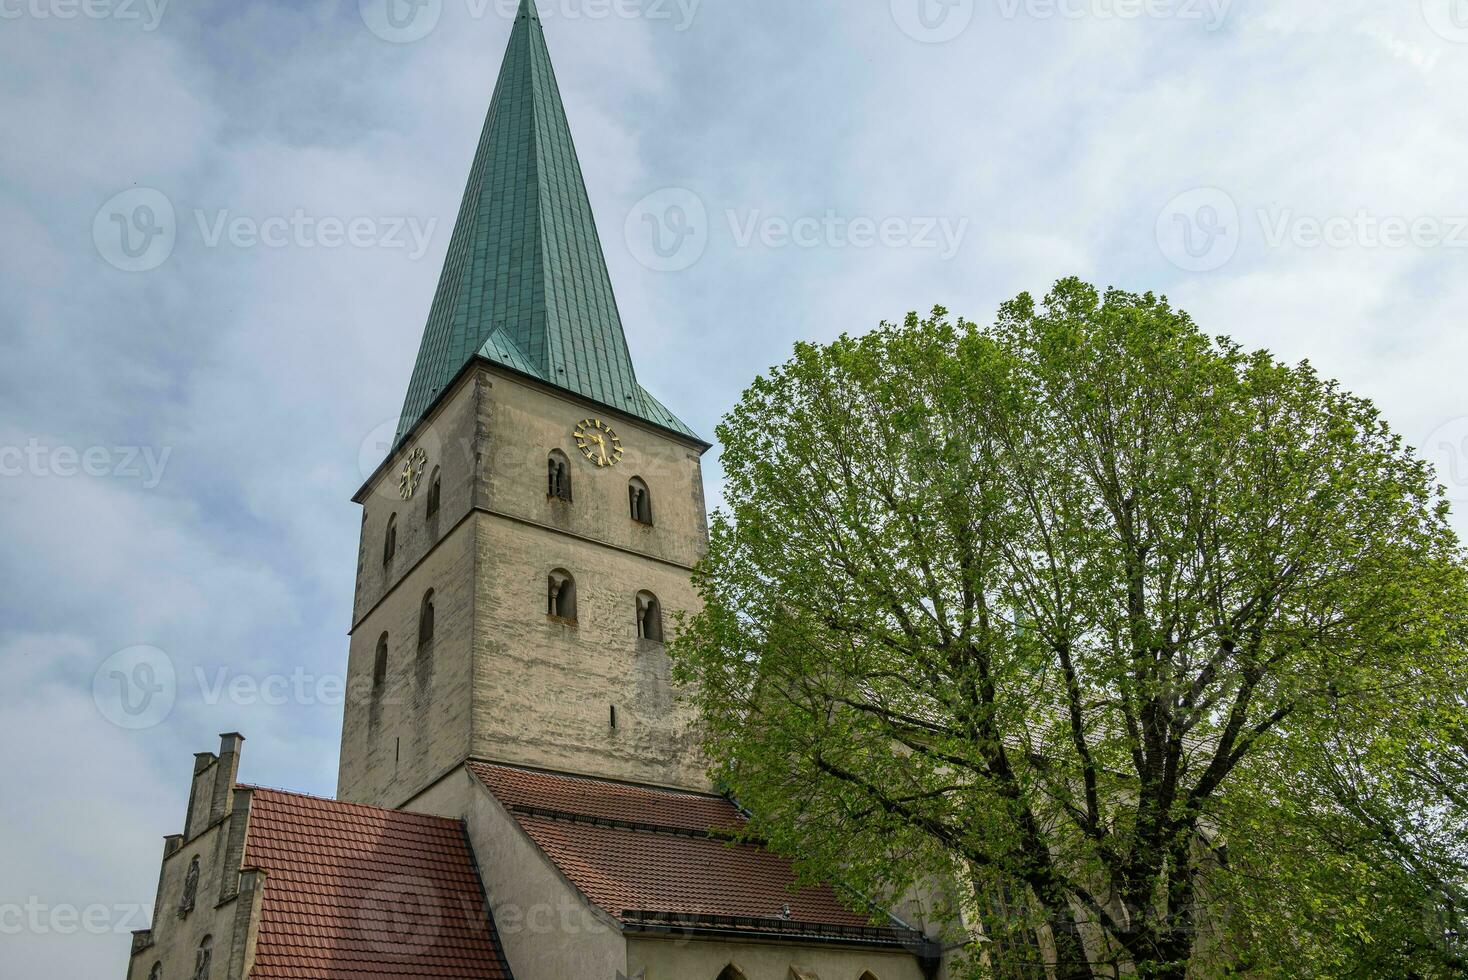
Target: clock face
{"x":598,"y":442}
{"x":412,"y":473}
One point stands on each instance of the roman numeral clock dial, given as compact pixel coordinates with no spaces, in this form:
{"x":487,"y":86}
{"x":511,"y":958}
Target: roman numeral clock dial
{"x":598,"y":442}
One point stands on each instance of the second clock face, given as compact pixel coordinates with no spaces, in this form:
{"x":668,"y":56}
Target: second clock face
{"x":412,"y":473}
{"x":598,"y":442}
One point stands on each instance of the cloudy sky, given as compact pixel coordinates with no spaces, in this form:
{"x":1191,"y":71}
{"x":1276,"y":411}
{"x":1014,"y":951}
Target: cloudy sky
{"x":221,"y":226}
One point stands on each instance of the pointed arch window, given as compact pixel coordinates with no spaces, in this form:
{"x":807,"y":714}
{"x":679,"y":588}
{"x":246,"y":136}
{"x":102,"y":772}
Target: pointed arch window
{"x":561,"y":596}
{"x":640,"y":500}
{"x":390,"y":541}
{"x":425,"y":621}
{"x":156,"y":973}
{"x":379,"y":664}
{"x":204,"y":958}
{"x":558,"y":476}
{"x":868,"y":975}
{"x":435,"y":492}
{"x":649,"y":617}
{"x":731,"y":972}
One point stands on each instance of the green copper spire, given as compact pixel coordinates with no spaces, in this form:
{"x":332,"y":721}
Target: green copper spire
{"x":525,"y":283}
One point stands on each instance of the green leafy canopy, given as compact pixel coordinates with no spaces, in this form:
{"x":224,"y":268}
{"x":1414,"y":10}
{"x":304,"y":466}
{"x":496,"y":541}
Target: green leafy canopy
{"x":1149,"y":648}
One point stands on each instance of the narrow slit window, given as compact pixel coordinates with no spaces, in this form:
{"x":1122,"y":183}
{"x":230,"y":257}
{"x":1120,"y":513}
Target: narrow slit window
{"x":425,"y":621}
{"x":558,"y":476}
{"x":435,"y":492}
{"x":379,"y":664}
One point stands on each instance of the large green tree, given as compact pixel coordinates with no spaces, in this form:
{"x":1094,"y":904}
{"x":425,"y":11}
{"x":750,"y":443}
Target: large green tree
{"x":1142,"y":640}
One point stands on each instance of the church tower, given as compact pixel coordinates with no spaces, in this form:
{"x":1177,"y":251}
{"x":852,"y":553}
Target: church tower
{"x":529,"y":539}
{"x":520,"y":794}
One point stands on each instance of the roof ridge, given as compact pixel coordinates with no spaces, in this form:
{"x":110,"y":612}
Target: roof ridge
{"x":730,"y":834}
{"x":600,"y":780}
{"x":344,"y":804}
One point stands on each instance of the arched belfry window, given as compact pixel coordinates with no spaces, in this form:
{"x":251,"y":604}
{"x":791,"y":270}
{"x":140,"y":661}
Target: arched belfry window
{"x":204,"y":958}
{"x":649,"y":617}
{"x":732,"y":972}
{"x":425,"y":621}
{"x":390,"y":541}
{"x":561,"y":595}
{"x":379,"y":664}
{"x":156,"y":973}
{"x":435,"y":492}
{"x":640,"y":500}
{"x":868,"y":975}
{"x":558,"y":476}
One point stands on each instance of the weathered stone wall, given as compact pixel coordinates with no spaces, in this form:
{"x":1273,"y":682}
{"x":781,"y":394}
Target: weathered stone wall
{"x":544,"y":690}
{"x":547,"y":930}
{"x":399,"y":736}
{"x":174,"y":939}
{"x":505,"y":681}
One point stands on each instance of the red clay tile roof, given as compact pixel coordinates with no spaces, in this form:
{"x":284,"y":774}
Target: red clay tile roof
{"x":630,"y":849}
{"x":608,"y":801}
{"x":356,"y":891}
